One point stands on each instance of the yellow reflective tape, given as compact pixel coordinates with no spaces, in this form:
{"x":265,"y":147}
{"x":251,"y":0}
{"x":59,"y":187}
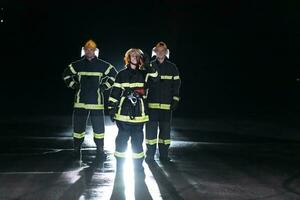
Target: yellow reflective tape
{"x":112,"y":99}
{"x":107,"y":84}
{"x":160,"y":141}
{"x":132,"y":85}
{"x":159,"y":106}
{"x":79,"y":135}
{"x":152,"y":75}
{"x":176,"y":78}
{"x":112,"y":78}
{"x":72,"y":69}
{"x":71,"y":83}
{"x":108,"y":69}
{"x":120,"y":154}
{"x":118,"y":85}
{"x":176,"y":98}
{"x":90,"y":73}
{"x":138,"y":155}
{"x":120,"y":105}
{"x":99,"y":96}
{"x":151,"y":142}
{"x":166,"y":77}
{"x":99,"y":135}
{"x":89,"y":106}
{"x":67,"y":77}
{"x":125,"y":118}
{"x":143,"y":107}
{"x":166,"y":142}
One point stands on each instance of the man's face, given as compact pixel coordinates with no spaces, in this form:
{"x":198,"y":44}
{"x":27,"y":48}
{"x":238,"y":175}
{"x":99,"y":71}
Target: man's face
{"x":160,"y":52}
{"x":89,"y":52}
{"x":134,"y":58}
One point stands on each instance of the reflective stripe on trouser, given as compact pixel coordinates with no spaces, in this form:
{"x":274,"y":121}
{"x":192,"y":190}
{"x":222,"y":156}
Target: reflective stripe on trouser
{"x":151,"y":138}
{"x":80,"y":117}
{"x":164,"y":137}
{"x":135,"y":131}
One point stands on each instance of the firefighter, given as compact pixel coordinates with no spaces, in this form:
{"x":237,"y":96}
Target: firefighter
{"x":163,"y":98}
{"x":128,"y":109}
{"x":89,"y":77}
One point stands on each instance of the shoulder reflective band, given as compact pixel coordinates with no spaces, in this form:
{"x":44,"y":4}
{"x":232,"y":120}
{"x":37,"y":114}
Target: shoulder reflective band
{"x":78,"y":135}
{"x":89,"y":106}
{"x":132,"y":85}
{"x":120,"y":154}
{"x":151,"y":142}
{"x":176,"y":77}
{"x":159,"y":106}
{"x":72,"y":69}
{"x":138,"y":155}
{"x":166,"y":77}
{"x":98,"y":135}
{"x":112,"y":99}
{"x":90,"y":73}
{"x":176,"y":98}
{"x":108,"y":69}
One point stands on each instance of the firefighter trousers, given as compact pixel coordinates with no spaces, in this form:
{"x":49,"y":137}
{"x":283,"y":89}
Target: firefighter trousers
{"x":135,"y":132}
{"x":163,"y":139}
{"x":80,"y":117}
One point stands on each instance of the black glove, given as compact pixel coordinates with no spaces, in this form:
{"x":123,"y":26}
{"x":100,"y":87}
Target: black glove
{"x":174,"y":105}
{"x":112,"y":113}
{"x":145,"y":58}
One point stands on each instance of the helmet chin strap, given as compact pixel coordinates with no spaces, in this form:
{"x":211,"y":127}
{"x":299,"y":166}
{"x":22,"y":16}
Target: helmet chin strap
{"x":136,"y":64}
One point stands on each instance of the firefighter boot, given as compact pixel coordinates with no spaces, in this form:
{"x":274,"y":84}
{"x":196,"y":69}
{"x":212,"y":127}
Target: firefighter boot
{"x":77,"y":150}
{"x":150,"y":154}
{"x":100,"y":154}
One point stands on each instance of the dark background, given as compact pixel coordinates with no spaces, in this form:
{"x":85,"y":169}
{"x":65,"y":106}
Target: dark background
{"x":236,"y":58}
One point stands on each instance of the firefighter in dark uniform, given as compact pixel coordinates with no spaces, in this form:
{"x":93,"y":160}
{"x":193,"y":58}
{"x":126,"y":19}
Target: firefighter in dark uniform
{"x":89,"y":77}
{"x":163,"y":98}
{"x":127,"y":107}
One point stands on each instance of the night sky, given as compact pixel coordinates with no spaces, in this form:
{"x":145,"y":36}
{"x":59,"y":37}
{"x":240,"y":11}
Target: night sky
{"x":236,"y":58}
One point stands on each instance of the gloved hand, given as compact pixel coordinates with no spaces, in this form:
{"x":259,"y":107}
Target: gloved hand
{"x":174,"y":105}
{"x":145,"y":59}
{"x":112,"y":113}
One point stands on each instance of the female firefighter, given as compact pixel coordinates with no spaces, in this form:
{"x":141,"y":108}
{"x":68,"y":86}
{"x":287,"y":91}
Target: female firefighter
{"x":127,"y":106}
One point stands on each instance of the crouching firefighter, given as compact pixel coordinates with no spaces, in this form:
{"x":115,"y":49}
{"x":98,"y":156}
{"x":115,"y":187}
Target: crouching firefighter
{"x":163,"y":98}
{"x":89,"y":77}
{"x":127,"y":106}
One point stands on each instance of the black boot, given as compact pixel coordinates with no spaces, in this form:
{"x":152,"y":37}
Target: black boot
{"x":150,"y":154}
{"x":100,"y":154}
{"x":77,"y":150}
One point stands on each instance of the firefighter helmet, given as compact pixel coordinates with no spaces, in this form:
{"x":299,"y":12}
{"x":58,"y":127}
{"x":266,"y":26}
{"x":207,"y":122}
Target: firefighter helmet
{"x":161,"y":44}
{"x":90,"y":44}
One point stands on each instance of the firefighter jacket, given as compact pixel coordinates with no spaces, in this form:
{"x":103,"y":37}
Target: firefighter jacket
{"x":89,"y":78}
{"x":127,"y":96}
{"x":164,"y":92}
